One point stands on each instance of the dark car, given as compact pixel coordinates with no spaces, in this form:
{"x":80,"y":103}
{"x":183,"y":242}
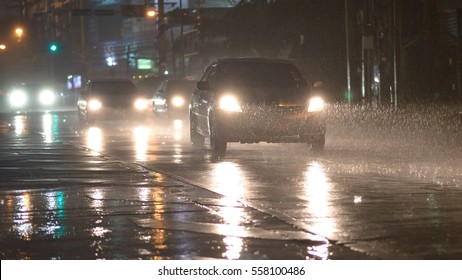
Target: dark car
{"x":112,"y":99}
{"x":172,"y":98}
{"x":249,"y":100}
{"x":30,"y":96}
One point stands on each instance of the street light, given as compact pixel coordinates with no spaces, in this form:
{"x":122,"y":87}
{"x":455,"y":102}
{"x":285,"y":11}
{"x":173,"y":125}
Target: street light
{"x":2,"y":47}
{"x":19,"y":32}
{"x":151,"y":13}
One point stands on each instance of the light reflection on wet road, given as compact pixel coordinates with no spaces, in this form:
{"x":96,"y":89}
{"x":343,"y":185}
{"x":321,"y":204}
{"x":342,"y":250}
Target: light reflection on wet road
{"x":366,"y":198}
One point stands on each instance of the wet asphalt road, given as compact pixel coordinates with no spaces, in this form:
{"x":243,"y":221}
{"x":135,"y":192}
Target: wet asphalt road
{"x":122,"y":190}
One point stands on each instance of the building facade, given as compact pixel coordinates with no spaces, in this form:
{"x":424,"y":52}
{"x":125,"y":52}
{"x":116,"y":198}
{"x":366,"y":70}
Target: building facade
{"x":108,"y":38}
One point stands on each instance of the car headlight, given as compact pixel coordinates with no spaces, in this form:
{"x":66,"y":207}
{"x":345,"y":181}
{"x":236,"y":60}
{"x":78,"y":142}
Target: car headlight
{"x":316,"y":104}
{"x":94,"y":105}
{"x":177,"y":101}
{"x":18,"y":98}
{"x":229,"y":103}
{"x":141,"y":104}
{"x":47,"y":97}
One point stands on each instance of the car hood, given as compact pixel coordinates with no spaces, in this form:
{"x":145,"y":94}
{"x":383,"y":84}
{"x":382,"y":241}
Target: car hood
{"x":119,"y":100}
{"x":273,"y":96}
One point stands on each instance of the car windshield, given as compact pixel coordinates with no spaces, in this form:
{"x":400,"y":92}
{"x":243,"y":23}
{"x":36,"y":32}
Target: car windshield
{"x":261,"y":75}
{"x":114,"y":88}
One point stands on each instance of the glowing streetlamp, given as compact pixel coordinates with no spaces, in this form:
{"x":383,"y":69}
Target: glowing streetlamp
{"x":19,"y":32}
{"x":2,"y":47}
{"x":151,"y":13}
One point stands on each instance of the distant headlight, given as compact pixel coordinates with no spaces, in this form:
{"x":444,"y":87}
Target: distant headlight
{"x":316,"y":104}
{"x":47,"y":97}
{"x":141,"y":104}
{"x":94,"y":105}
{"x":18,"y":98}
{"x":177,"y":101}
{"x":229,"y":103}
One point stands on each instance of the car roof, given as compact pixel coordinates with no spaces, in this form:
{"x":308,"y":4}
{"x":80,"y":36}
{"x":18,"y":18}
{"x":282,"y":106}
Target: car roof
{"x":252,"y":59}
{"x":180,"y":81}
{"x":30,"y":83}
{"x":109,"y":80}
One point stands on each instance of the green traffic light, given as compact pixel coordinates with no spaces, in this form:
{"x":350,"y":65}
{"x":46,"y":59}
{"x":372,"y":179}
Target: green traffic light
{"x":53,"y":47}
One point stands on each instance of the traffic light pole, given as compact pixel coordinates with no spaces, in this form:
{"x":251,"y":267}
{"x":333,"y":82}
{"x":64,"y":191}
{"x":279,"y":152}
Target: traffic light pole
{"x":51,"y":62}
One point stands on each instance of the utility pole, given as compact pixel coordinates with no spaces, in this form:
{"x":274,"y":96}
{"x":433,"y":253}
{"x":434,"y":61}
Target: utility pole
{"x":396,"y":50}
{"x":366,"y":49}
{"x":347,"y":38}
{"x":181,"y":41}
{"x":459,"y":54}
{"x":51,"y":35}
{"x":128,"y":60}
{"x":161,"y":37}
{"x":82,"y":33}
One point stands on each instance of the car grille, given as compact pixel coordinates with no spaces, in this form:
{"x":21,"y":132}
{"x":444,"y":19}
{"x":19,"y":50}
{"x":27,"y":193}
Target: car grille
{"x":118,"y":103}
{"x":274,"y":112}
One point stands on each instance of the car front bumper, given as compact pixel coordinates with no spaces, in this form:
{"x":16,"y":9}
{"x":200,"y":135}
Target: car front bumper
{"x":171,"y":111}
{"x":271,"y":126}
{"x":118,"y":114}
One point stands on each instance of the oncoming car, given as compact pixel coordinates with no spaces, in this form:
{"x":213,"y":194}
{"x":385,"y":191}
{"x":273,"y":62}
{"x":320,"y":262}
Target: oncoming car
{"x":250,"y":100}
{"x":31,"y":97}
{"x":172,"y":98}
{"x":112,"y":99}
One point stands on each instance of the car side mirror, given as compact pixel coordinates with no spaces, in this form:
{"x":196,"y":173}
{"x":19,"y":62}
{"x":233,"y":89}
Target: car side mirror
{"x":203,"y":85}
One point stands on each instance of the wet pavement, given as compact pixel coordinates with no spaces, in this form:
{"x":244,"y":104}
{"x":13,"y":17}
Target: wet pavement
{"x":120,"y":190}
{"x":60,"y":199}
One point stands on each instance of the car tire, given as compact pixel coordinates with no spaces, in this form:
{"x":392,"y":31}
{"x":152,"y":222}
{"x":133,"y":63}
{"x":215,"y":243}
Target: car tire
{"x":197,"y":140}
{"x":217,"y":143}
{"x":318,"y":143}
